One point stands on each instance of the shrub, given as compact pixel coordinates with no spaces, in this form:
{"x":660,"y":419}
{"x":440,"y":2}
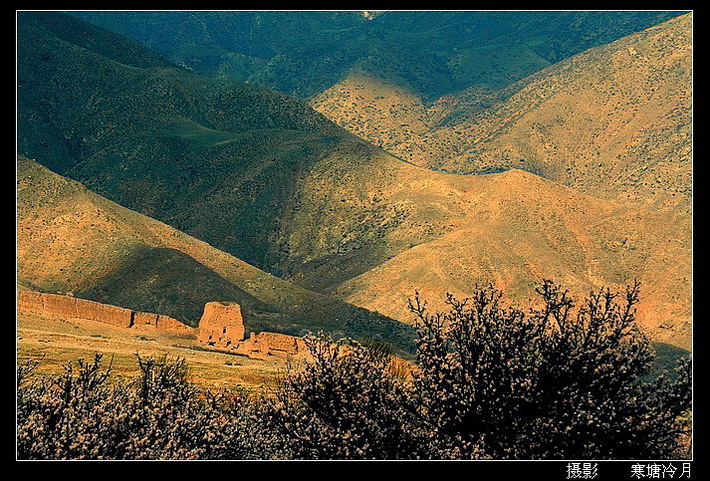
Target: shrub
{"x":345,"y":404}
{"x":559,"y":382}
{"x":492,"y":382}
{"x":78,"y":415}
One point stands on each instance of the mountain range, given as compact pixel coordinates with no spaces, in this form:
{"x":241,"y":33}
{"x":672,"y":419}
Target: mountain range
{"x":157,"y":188}
{"x":613,"y":121}
{"x":433,"y":53}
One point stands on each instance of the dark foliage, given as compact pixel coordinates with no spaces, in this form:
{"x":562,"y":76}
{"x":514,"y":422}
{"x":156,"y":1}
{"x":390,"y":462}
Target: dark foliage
{"x":494,"y":382}
{"x":345,"y":404}
{"x":559,"y":382}
{"x":432,"y":53}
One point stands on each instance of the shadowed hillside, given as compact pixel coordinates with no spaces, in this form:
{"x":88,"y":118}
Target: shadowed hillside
{"x":252,"y":172}
{"x":430,"y":53}
{"x":72,"y":240}
{"x":216,"y":159}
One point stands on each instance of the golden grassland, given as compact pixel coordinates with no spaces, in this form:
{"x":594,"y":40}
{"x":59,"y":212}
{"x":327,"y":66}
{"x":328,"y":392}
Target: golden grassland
{"x":56,"y":341}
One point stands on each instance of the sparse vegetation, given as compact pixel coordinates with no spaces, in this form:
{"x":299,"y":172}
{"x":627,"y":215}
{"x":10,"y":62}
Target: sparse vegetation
{"x":310,"y":228}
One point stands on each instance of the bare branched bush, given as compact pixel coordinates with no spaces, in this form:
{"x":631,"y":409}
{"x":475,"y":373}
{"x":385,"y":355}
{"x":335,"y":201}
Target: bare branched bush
{"x":490,"y":382}
{"x":558,"y":382}
{"x":78,"y":415}
{"x":345,"y":404}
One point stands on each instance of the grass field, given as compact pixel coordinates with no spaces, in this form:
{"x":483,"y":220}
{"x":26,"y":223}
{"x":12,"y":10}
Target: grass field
{"x":57,"y":341}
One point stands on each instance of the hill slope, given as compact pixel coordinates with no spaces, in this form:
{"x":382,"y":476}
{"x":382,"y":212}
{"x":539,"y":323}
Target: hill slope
{"x":519,"y":229}
{"x":268,"y":180}
{"x":72,"y":240}
{"x":613,"y":122}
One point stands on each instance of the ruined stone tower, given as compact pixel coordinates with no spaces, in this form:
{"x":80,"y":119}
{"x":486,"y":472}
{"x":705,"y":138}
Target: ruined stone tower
{"x":221,"y":325}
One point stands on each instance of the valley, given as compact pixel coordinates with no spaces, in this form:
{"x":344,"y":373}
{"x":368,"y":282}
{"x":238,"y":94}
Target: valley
{"x":160,"y":187}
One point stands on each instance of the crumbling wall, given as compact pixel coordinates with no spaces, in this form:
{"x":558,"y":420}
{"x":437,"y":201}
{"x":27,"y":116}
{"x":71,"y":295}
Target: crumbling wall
{"x":95,"y":311}
{"x":63,"y":306}
{"x":76,"y":308}
{"x":145,"y":319}
{"x":30,"y":301}
{"x":167,"y":323}
{"x":221,"y":325}
{"x":272,"y":344}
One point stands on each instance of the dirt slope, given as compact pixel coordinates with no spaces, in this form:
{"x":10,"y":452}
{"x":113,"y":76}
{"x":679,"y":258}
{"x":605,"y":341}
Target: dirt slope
{"x":613,"y":122}
{"x":519,"y":229}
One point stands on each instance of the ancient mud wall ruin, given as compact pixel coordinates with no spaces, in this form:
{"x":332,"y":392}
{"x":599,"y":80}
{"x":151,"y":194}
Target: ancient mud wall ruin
{"x":266,"y":344}
{"x":222,"y":327}
{"x":84,"y":309}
